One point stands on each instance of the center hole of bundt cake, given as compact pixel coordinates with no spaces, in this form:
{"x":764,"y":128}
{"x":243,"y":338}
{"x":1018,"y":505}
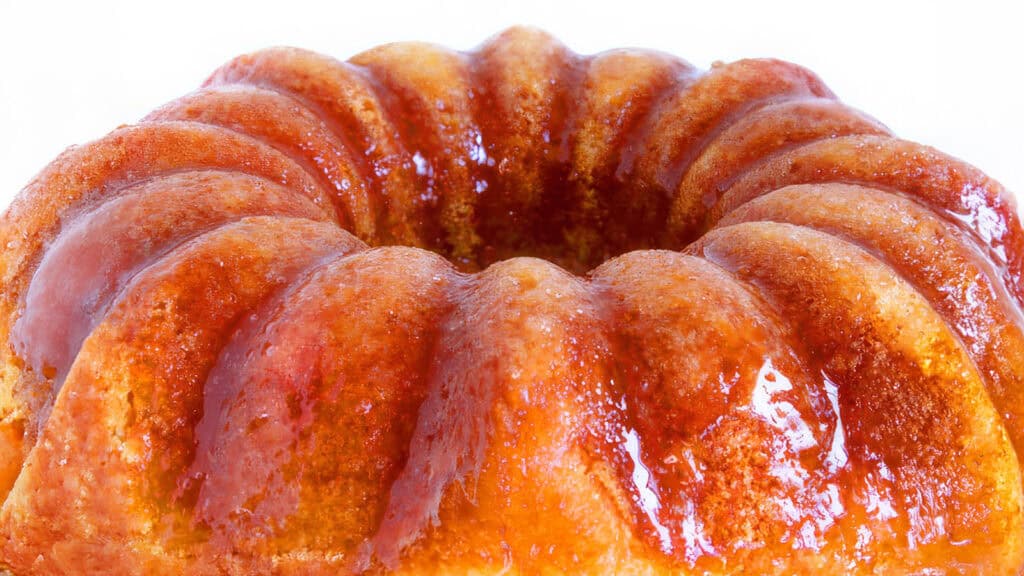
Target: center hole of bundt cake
{"x":573,"y":224}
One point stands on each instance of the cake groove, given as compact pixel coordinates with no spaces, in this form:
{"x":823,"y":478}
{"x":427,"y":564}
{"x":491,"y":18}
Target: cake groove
{"x":54,"y":291}
{"x":621,"y":91}
{"x":956,"y":287}
{"x":343,"y":93}
{"x":791,"y":124}
{"x":951,"y":188}
{"x":283,"y":124}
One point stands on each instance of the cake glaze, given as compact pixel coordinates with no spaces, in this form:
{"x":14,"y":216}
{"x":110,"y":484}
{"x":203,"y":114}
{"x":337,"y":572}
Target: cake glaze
{"x":513,"y":310}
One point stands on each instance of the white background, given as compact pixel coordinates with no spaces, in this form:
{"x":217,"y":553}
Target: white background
{"x":949,"y":75}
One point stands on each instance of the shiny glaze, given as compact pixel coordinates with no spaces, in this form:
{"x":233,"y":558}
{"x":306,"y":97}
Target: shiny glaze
{"x":425,"y":312}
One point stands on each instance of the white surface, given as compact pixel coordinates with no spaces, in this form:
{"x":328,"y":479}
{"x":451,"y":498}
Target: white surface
{"x":946,"y":75}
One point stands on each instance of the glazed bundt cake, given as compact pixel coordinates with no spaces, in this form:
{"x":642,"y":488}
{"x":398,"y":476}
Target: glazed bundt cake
{"x":512,"y":310}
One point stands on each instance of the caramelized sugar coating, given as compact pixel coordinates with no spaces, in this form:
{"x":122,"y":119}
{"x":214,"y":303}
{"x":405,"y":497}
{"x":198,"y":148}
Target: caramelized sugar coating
{"x":513,"y":310}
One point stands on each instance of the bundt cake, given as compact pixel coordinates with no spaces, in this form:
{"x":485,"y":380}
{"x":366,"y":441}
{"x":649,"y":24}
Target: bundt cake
{"x":512,"y":310}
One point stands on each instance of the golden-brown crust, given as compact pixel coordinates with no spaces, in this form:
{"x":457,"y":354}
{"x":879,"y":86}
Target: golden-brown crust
{"x":227,"y":351}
